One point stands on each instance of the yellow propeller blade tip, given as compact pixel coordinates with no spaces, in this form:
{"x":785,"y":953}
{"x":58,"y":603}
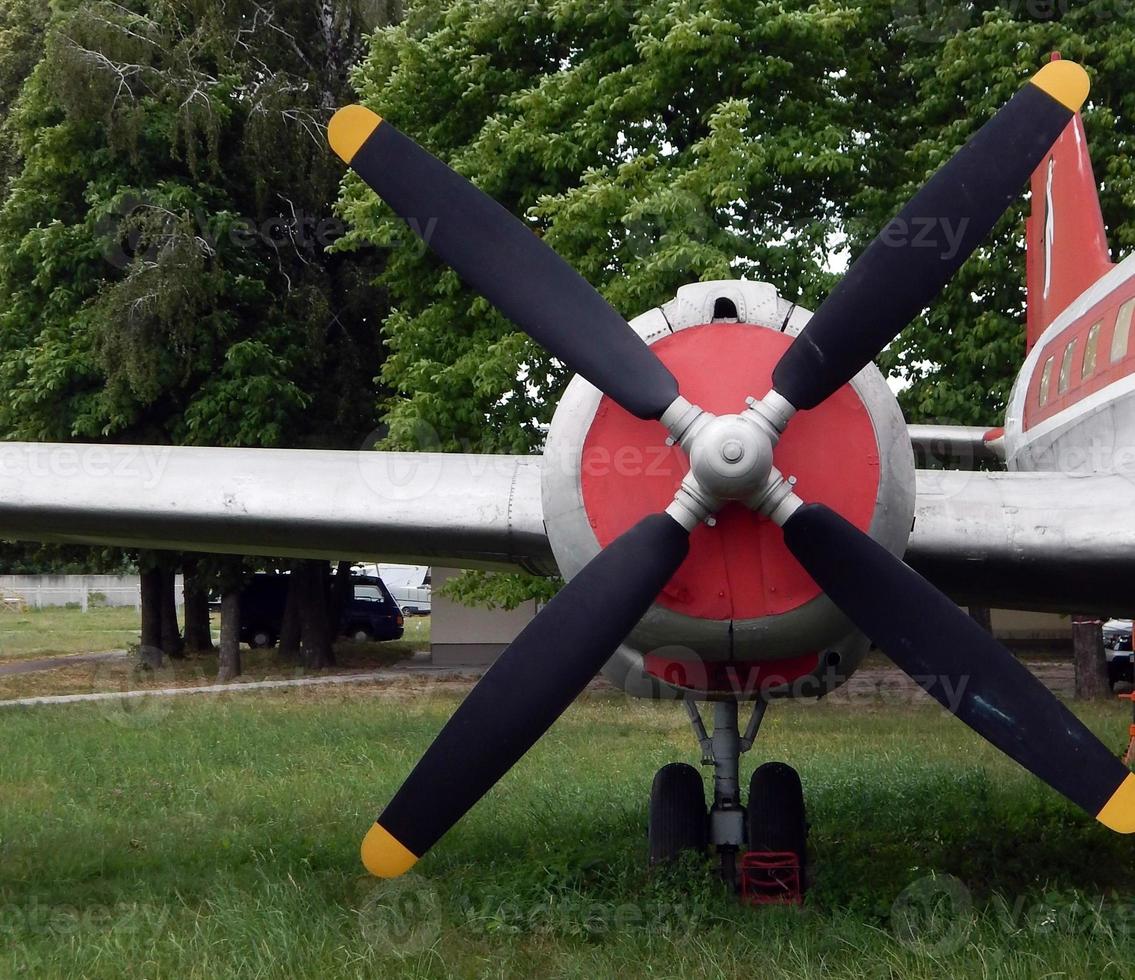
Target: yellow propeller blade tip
{"x":1118,"y":813}
{"x":383,"y":855}
{"x":350,"y":128}
{"x":1065,"y":81}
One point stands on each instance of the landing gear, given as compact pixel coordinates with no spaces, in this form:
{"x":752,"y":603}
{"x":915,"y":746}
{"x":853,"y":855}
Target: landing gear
{"x":677,"y":813}
{"x":774,"y":822}
{"x":776,"y":811}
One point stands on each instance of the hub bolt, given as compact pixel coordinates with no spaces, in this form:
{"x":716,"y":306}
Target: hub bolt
{"x":732,"y":451}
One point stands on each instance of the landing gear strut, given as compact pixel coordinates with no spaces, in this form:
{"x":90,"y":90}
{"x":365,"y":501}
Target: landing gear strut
{"x":773,"y":822}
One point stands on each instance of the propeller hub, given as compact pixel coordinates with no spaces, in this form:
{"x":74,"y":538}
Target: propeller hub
{"x":731,"y":457}
{"x":733,"y":451}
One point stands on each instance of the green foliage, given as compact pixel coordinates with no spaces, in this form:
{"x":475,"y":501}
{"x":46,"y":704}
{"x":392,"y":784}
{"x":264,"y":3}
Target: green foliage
{"x":161,"y":278}
{"x":962,"y":63}
{"x":641,"y":140}
{"x":650,"y":143}
{"x":499,"y":590}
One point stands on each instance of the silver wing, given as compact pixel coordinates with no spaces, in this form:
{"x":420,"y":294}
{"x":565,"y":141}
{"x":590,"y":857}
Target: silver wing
{"x":1010,"y":540}
{"x":465,"y":511}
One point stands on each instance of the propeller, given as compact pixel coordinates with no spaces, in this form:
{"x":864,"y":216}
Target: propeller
{"x":527,"y":688}
{"x":506,"y":262}
{"x":553,"y":659}
{"x":914,"y":256}
{"x":960,"y":665}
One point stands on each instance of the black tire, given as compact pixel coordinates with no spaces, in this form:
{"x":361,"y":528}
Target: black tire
{"x":678,"y":819}
{"x":1119,"y":672}
{"x":262,"y":639}
{"x":776,"y":812}
{"x":360,"y":633}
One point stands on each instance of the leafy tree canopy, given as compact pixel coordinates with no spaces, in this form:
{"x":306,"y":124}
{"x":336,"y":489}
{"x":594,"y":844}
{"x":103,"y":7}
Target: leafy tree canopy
{"x":163,"y":266}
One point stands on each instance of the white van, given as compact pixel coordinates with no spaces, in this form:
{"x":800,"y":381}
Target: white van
{"x":409,"y":584}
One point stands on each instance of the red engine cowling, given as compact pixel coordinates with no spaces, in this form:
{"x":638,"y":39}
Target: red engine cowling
{"x":740,"y":617}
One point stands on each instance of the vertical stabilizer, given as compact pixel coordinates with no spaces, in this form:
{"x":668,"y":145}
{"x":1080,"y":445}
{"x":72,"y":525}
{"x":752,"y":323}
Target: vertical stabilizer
{"x":1065,"y":238}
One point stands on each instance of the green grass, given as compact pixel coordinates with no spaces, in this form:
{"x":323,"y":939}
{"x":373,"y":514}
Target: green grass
{"x":56,"y":631}
{"x":60,"y":632}
{"x":218,"y":837}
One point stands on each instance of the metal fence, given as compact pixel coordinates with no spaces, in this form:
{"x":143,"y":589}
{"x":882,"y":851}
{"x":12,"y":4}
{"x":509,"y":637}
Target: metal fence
{"x":81,"y":591}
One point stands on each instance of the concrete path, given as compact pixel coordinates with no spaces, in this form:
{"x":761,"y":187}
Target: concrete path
{"x":9,"y":667}
{"x":239,"y":687}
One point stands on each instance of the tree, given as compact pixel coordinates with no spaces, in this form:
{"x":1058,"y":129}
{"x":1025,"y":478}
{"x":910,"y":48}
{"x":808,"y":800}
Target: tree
{"x":962,"y":64}
{"x":164,"y":270}
{"x":1088,"y":659}
{"x":195,"y":606}
{"x":651,"y":144}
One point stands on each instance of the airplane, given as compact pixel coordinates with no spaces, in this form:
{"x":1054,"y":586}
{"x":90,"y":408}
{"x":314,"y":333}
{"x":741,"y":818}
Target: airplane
{"x":728,"y":488}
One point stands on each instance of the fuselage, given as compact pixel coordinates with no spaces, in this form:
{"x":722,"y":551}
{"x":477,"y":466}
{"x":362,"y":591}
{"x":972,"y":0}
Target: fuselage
{"x":1072,"y":408}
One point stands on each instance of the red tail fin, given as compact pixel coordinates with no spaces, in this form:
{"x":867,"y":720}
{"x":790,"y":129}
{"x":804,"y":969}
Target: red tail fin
{"x":1065,"y":238}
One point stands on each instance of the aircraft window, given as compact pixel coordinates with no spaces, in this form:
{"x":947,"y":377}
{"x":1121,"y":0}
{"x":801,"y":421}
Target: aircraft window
{"x":1045,"y":382}
{"x":368,"y":593}
{"x":1122,"y":330}
{"x":1066,"y":367}
{"x":1090,"y":350}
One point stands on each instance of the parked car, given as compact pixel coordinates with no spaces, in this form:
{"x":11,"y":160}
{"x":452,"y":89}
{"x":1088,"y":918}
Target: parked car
{"x":409,"y":584}
{"x":1117,"y":649}
{"x":370,"y":612}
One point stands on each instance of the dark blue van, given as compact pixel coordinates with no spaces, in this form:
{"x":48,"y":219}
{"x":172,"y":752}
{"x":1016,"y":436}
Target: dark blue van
{"x":370,"y":613}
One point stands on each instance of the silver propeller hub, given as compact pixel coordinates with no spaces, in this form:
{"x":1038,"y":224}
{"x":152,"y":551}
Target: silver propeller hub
{"x":731,"y":457}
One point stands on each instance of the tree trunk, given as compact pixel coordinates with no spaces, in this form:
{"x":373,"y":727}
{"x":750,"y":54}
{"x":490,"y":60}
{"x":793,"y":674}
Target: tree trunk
{"x":340,"y":596}
{"x":982,"y":616}
{"x":315,"y":630}
{"x":172,"y":645}
{"x":151,"y":594}
{"x":1088,"y":658}
{"x":198,"y":635}
{"x":228,"y":660}
{"x":288,"y":648}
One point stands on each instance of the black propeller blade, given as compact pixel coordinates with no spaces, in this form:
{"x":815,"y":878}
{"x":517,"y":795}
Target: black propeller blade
{"x":911,"y":259}
{"x":960,"y":665}
{"x":506,"y":262}
{"x":527,"y":689}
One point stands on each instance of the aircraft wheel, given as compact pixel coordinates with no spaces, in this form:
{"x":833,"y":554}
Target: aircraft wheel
{"x":776,"y":812}
{"x":677,"y":813}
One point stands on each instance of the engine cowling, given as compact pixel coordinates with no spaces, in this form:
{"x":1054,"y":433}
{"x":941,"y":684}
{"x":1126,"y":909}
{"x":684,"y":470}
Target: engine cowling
{"x":740,"y":618}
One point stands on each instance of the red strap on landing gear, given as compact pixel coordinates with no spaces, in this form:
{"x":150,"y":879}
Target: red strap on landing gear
{"x":771,"y":878}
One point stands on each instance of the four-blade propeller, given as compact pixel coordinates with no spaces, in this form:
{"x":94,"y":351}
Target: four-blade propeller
{"x":552,"y":660}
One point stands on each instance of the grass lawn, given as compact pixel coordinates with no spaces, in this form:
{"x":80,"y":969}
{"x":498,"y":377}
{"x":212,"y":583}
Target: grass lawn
{"x":216,"y":838}
{"x":55,"y":631}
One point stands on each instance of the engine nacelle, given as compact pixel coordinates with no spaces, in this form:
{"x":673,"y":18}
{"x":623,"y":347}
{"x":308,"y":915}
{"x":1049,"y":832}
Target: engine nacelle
{"x":740,"y":618}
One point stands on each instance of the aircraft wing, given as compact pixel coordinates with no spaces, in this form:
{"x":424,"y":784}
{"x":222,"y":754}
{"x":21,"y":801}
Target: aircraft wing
{"x":1003,"y":539}
{"x":1012,"y":540}
{"x":961,"y":447}
{"x":467,"y":511}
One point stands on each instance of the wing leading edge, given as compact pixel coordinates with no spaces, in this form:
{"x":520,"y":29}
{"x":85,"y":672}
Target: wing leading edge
{"x":459,"y":510}
{"x":1039,"y":541}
